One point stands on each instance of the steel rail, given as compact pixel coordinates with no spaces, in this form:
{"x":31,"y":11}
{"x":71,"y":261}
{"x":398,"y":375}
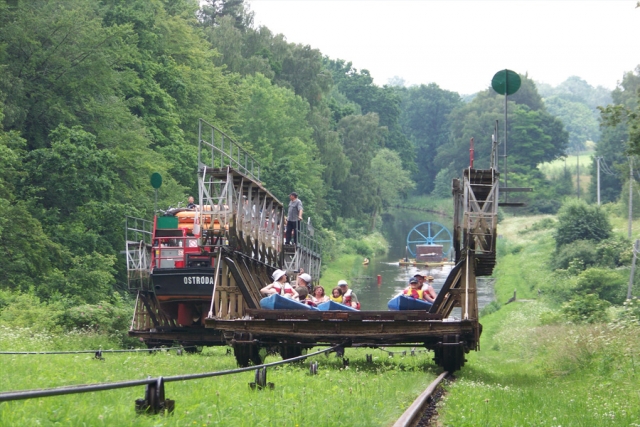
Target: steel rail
{"x":85,"y":388}
{"x":133,"y":350}
{"x":414,"y":412}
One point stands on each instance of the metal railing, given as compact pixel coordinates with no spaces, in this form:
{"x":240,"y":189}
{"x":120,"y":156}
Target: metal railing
{"x":138,"y":236}
{"x":221,"y":151}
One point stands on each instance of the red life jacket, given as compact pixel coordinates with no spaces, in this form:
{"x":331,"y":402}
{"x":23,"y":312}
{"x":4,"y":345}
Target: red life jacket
{"x":346,"y":300}
{"x":287,"y":290}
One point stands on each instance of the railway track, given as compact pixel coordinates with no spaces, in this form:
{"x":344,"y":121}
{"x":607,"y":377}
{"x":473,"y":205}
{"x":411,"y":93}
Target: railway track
{"x":422,"y":410}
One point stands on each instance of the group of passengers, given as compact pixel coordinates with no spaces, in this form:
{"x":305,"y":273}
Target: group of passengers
{"x":304,"y":292}
{"x":421,"y":287}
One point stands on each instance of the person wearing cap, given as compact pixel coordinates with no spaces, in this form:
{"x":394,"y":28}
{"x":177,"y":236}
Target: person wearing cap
{"x":348,"y":297}
{"x":426,"y":287}
{"x":294,"y":217}
{"x":303,"y":286}
{"x":414,"y":290}
{"x":279,"y":286}
{"x":304,"y":280}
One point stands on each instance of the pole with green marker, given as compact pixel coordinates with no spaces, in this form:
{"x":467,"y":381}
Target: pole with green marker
{"x":156,"y":182}
{"x":506,"y":82}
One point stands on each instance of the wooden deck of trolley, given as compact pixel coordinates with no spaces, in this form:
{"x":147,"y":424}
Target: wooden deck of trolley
{"x":370,"y":327}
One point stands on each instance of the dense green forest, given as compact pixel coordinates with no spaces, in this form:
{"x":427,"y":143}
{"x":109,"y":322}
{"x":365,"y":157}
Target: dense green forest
{"x":95,"y":96}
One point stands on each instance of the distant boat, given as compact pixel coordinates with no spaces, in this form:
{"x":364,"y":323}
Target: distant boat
{"x":402,"y":302}
{"x":334,"y":306}
{"x":278,"y":302}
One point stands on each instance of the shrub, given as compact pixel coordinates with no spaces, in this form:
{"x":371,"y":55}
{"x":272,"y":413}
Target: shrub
{"x":614,"y":252}
{"x":102,"y":318}
{"x":579,"y":221}
{"x":630,"y":314}
{"x":586,"y":309}
{"x":358,"y":246}
{"x":24,"y":310}
{"x":551,"y":318}
{"x":560,"y":287}
{"x":583,"y":251}
{"x":609,"y":285}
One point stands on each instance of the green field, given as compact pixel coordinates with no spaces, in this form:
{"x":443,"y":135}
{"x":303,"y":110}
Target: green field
{"x":364,"y":394}
{"x":529,"y":373}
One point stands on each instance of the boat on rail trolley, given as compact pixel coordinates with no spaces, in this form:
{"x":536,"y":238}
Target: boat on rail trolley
{"x":198,"y":273}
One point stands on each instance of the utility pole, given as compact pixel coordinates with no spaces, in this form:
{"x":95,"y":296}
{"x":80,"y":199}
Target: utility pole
{"x":578,"y":173}
{"x":630,"y":194}
{"x":633,"y":268}
{"x":598,"y":175}
{"x":506,"y":184}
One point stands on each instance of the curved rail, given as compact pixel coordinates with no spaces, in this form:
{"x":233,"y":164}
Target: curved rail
{"x":414,"y":412}
{"x":58,"y":391}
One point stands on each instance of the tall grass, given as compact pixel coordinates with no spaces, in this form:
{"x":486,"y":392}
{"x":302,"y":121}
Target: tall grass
{"x":364,"y":394}
{"x":529,"y":373}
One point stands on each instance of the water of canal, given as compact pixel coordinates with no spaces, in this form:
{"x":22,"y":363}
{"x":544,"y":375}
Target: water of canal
{"x":394,"y":278}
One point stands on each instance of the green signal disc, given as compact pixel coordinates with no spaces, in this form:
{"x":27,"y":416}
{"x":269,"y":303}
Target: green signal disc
{"x":156,"y":180}
{"x":506,"y":81}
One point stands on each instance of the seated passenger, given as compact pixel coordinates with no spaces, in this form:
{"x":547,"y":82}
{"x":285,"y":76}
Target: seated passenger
{"x":426,"y":287}
{"x":318,"y":295}
{"x":279,"y":286}
{"x":304,"y":280}
{"x":336,"y":295}
{"x":348,"y":296}
{"x":414,"y":290}
{"x":303,"y":293}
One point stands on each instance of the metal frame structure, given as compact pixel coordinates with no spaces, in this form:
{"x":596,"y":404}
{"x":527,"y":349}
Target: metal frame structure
{"x":475,"y":220}
{"x":218,"y":260}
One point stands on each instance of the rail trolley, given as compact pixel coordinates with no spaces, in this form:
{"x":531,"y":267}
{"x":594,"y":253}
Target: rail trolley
{"x":198,"y":274}
{"x":449,"y":337}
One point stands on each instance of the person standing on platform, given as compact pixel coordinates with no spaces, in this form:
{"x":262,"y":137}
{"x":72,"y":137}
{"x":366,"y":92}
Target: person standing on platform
{"x":191,"y":203}
{"x":294,"y":218}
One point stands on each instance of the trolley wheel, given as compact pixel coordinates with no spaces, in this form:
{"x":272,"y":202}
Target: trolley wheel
{"x":244,"y":352}
{"x":290,"y":351}
{"x":241,"y":352}
{"x":450,"y":353}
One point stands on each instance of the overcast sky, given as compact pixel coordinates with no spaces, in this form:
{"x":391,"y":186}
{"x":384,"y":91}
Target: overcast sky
{"x":459,"y":44}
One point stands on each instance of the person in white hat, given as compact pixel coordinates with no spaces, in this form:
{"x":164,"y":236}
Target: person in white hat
{"x":279,"y":286}
{"x":348,"y":297}
{"x":304,"y":279}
